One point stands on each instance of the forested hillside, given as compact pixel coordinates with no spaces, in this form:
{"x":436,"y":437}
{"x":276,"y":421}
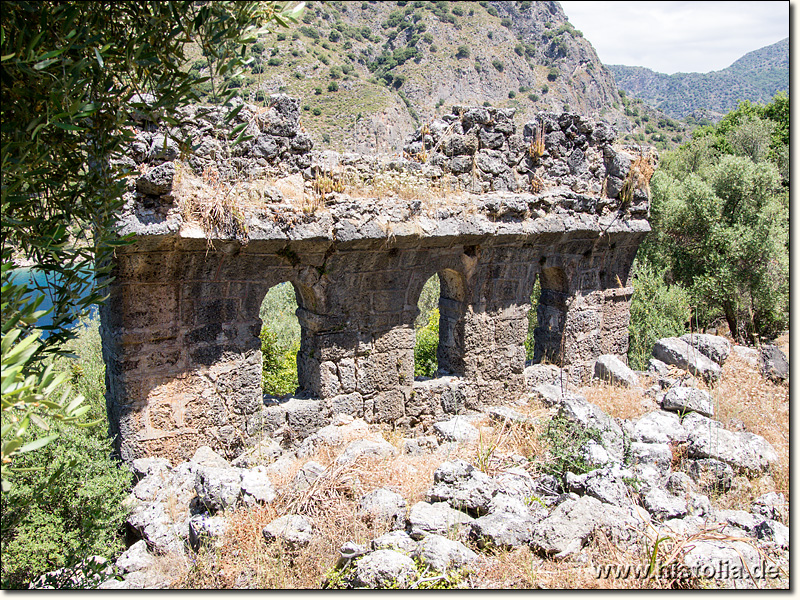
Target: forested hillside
{"x":755,"y":77}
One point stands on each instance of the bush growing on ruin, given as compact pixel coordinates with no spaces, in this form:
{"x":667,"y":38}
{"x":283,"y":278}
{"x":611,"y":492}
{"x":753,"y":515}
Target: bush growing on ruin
{"x":425,"y":360}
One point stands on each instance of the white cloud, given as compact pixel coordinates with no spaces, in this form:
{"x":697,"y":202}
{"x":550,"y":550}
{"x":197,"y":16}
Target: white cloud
{"x":678,"y":36}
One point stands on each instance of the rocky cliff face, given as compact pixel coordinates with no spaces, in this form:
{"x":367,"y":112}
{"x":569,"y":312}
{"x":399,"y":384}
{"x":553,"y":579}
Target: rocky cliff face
{"x":369,"y":73}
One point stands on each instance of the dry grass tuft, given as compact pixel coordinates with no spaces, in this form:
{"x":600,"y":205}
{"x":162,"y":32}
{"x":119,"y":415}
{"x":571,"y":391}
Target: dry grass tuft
{"x":618,"y":401}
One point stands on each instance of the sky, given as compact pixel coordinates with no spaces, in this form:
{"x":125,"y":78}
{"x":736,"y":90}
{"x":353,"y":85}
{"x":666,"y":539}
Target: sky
{"x":672,"y":37}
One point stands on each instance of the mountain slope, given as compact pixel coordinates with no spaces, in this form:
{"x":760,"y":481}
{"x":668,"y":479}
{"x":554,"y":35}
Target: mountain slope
{"x":369,"y":73}
{"x":757,"y":77}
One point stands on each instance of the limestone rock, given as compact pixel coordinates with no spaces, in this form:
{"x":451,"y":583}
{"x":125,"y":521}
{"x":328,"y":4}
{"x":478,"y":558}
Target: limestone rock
{"x":383,"y":506}
{"x":206,"y":529}
{"x":773,"y":364}
{"x":675,"y":351}
{"x":590,"y":416}
{"x":384,"y":569}
{"x":370,"y":448}
{"x":463,"y":486}
{"x":659,"y":427}
{"x":712,"y":475}
{"x":715,"y":347}
{"x":425,"y":518}
{"x":737,"y":558}
{"x":571,"y":523}
{"x":421,"y":445}
{"x":685,"y":399}
{"x":611,"y":369}
{"x":217,"y":487}
{"x":741,"y":450}
{"x":295,"y":530}
{"x":395,"y":540}
{"x":773,"y":531}
{"x":771,"y":505}
{"x":156,"y":181}
{"x":256,"y":486}
{"x":442,"y":554}
{"x":663,"y":505}
{"x":135,"y":558}
{"x":457,"y":429}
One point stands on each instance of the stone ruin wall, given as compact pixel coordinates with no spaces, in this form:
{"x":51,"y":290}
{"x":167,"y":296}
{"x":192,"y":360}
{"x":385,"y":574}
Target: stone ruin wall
{"x":180,"y":329}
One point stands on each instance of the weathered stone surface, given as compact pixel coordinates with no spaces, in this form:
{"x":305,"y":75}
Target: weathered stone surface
{"x":182,"y":322}
{"x":771,"y":505}
{"x":505,"y":529}
{"x":713,"y":346}
{"x":659,"y":427}
{"x":611,"y":369}
{"x":773,"y":364}
{"x":539,"y":374}
{"x":384,"y":506}
{"x":457,"y":429}
{"x":713,"y":476}
{"x":439,"y":518}
{"x":395,"y":540}
{"x":370,"y":448}
{"x":135,"y":558}
{"x":384,"y":569}
{"x":773,"y":531}
{"x":739,"y":559}
{"x":571,"y":523}
{"x":421,"y":445}
{"x":307,"y":475}
{"x":663,"y":505}
{"x":590,"y":416}
{"x":295,"y":530}
{"x":463,"y":486}
{"x":685,"y":399}
{"x":741,"y":450}
{"x":256,"y":486}
{"x":675,"y":351}
{"x":442,"y":554}
{"x":206,"y":529}
{"x":217,"y":487}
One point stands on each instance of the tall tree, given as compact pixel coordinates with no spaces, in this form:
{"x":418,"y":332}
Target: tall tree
{"x":74,"y":75}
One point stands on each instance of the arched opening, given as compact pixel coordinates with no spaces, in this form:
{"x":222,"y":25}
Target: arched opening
{"x":280,"y":340}
{"x":439,"y":327}
{"x":551,"y":310}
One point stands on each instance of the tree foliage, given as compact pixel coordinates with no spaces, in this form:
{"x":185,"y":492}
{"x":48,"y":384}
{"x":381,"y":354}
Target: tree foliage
{"x":720,"y":218}
{"x":75,"y":76}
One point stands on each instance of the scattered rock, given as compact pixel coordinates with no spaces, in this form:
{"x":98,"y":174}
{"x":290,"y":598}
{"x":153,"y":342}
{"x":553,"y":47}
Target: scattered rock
{"x":395,"y":540}
{"x":206,"y":530}
{"x":728,"y":562}
{"x":675,"y":351}
{"x":773,"y":531}
{"x":307,"y":475}
{"x":771,"y":505}
{"x":256,"y":486}
{"x":741,"y":450}
{"x":539,"y":374}
{"x":218,"y":487}
{"x":135,"y":558}
{"x":578,"y":410}
{"x":384,"y":569}
{"x":611,"y":369}
{"x":442,"y":554}
{"x":659,"y":427}
{"x":749,"y":355}
{"x":658,"y":455}
{"x":713,"y":476}
{"x":463,"y":486}
{"x":425,"y":518}
{"x":773,"y":364}
{"x":571,"y":523}
{"x":663,"y":505}
{"x":295,"y":530}
{"x":370,"y":448}
{"x":685,"y":399}
{"x":421,"y":445}
{"x":714,"y":347}
{"x":384,"y":506}
{"x":457,"y":429}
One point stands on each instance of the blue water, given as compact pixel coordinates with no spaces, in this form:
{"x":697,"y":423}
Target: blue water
{"x":33,"y":278}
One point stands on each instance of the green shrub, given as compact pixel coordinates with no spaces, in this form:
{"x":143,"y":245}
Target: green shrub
{"x":498,"y":64}
{"x":463,"y":52}
{"x":552,"y":74}
{"x":533,"y":97}
{"x":532,"y":319}
{"x":512,"y":94}
{"x":565,"y":440}
{"x":425,"y":360}
{"x":71,"y":509}
{"x":274,"y":61}
{"x":519,"y":49}
{"x":333,"y":86}
{"x":492,"y":11}
{"x":505,"y":22}
{"x":657,"y":310}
